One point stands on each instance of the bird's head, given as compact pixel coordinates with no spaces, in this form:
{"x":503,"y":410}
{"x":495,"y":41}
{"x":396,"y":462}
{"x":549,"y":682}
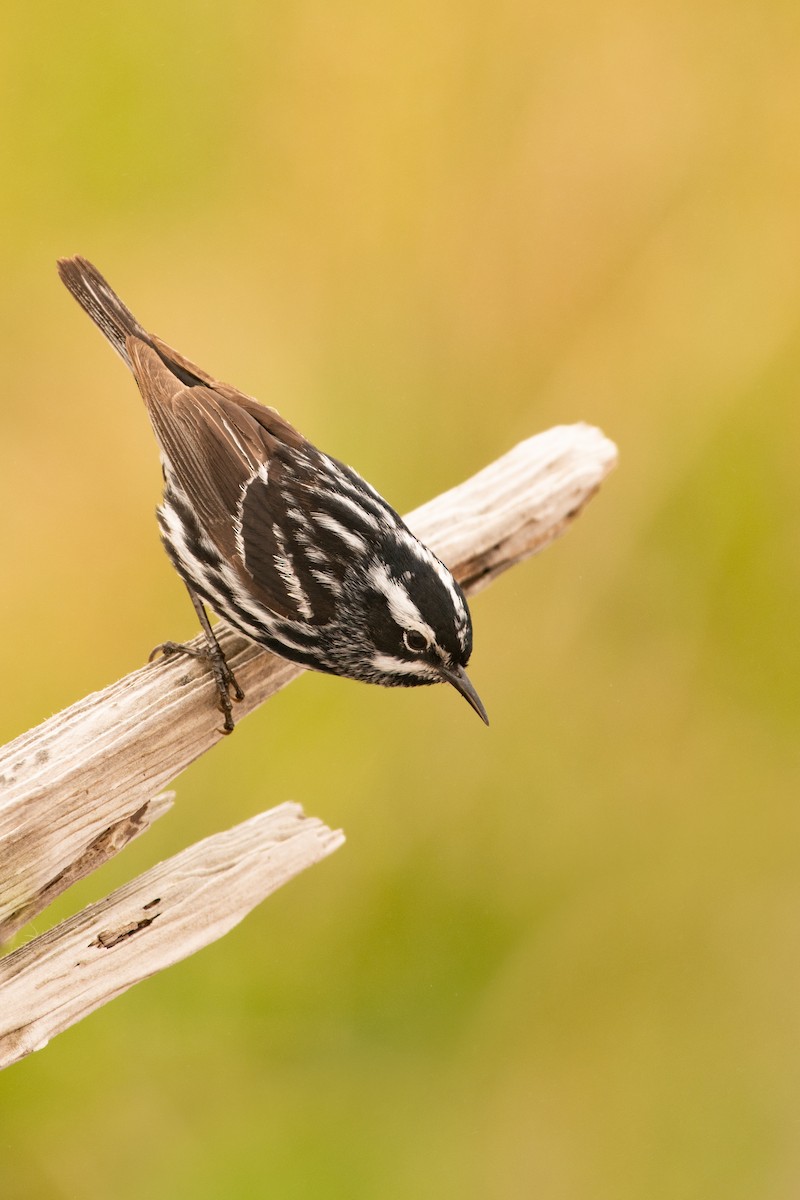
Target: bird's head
{"x":407,"y":621}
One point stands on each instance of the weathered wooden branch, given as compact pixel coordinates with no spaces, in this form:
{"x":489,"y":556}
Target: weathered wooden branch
{"x":77,"y":788}
{"x":183,"y":904}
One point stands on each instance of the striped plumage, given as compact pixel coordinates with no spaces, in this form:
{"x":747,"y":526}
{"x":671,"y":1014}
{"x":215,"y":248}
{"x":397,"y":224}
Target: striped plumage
{"x":289,"y":546}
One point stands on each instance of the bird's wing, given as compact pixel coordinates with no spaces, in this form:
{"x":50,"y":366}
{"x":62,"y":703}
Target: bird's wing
{"x":244,"y":473}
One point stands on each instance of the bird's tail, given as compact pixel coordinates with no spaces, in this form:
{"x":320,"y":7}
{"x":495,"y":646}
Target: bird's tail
{"x":102,"y":304}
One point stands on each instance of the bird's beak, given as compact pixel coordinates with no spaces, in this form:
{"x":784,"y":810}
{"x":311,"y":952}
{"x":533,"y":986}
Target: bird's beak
{"x":460,"y":681}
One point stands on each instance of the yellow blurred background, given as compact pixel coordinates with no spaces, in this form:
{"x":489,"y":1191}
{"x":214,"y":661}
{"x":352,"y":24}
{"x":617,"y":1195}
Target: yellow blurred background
{"x":559,"y":957}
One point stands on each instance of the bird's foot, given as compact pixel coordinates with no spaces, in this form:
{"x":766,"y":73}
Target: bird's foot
{"x":224,"y":677}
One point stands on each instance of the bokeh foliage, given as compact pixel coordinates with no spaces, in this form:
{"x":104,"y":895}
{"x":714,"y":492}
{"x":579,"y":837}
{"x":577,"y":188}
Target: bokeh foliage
{"x":556,"y":958}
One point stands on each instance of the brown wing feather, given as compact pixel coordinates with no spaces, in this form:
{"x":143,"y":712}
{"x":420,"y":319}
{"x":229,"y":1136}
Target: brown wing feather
{"x":215,"y":439}
{"x":209,"y":465}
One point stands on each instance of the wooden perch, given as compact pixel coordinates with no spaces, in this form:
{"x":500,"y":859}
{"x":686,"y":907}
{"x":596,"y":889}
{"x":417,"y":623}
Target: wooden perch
{"x":163,"y":916}
{"x":77,"y":788}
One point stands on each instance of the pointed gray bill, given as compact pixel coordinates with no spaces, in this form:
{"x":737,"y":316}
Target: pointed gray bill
{"x":460,"y":681}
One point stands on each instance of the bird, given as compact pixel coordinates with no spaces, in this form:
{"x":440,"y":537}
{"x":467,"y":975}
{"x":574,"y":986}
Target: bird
{"x":286,"y":544}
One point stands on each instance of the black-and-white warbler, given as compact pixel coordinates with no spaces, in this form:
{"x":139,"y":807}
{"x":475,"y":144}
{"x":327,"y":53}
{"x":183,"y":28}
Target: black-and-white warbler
{"x":289,"y":546}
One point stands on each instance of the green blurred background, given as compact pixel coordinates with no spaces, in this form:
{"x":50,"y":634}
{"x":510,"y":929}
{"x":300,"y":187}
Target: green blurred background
{"x":557,"y":958}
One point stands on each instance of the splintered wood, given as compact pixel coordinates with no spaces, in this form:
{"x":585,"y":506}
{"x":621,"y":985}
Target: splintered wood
{"x":163,"y":916}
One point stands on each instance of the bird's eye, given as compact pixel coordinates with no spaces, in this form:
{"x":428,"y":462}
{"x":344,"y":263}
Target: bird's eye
{"x":415,"y":641}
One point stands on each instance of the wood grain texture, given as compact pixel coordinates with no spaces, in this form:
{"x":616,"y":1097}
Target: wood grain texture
{"x":166,"y":914}
{"x":100,"y":850}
